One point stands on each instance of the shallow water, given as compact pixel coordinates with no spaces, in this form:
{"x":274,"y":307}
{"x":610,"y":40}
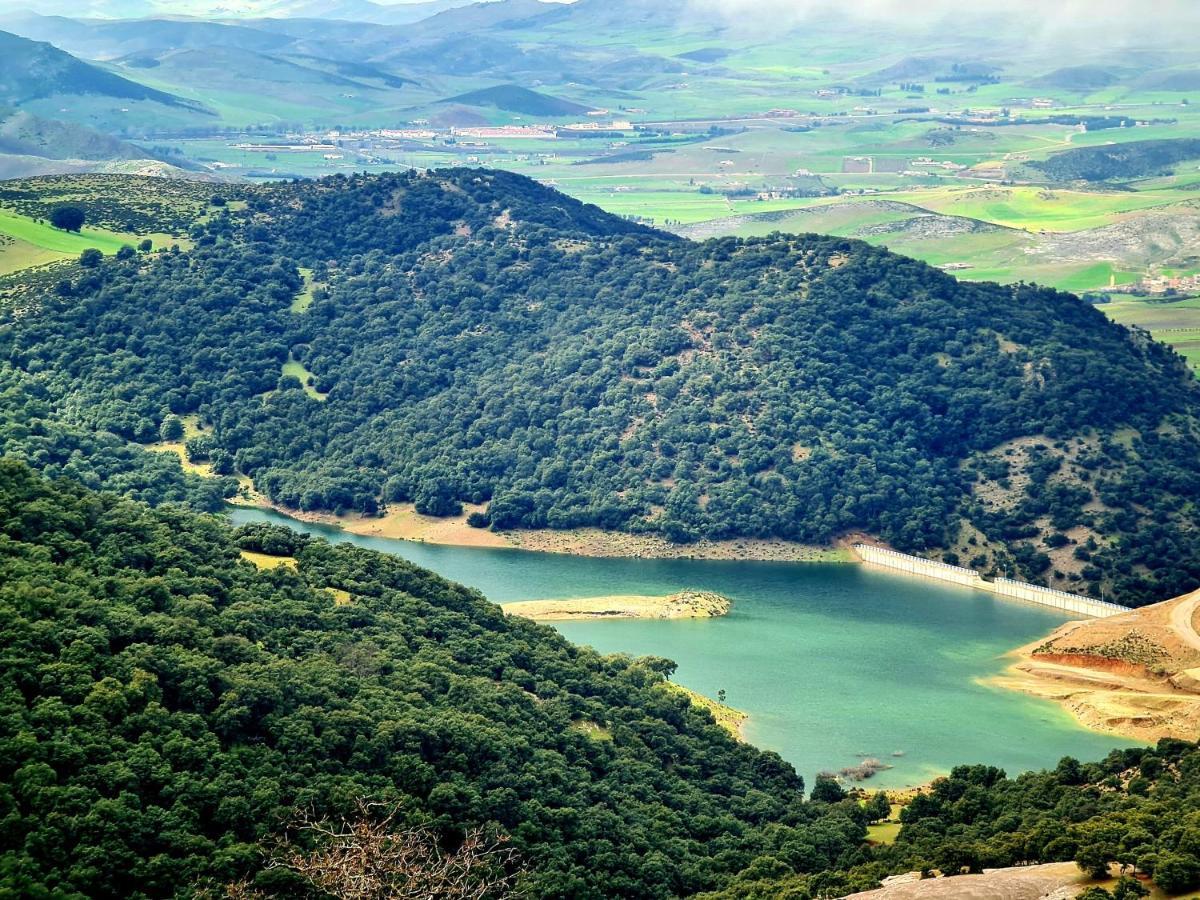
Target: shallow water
{"x":832,"y":661}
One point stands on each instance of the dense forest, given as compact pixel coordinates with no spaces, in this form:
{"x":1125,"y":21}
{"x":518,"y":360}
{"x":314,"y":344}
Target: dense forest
{"x":1121,"y":162}
{"x":167,"y":705}
{"x":170,"y":709}
{"x":477,"y":337}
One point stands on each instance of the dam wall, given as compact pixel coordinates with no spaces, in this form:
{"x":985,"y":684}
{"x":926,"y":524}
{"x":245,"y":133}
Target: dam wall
{"x":1002,"y":587}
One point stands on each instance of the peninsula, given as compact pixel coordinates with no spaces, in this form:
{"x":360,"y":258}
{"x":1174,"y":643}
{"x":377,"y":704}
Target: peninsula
{"x":686,"y":604}
{"x":1136,"y":674}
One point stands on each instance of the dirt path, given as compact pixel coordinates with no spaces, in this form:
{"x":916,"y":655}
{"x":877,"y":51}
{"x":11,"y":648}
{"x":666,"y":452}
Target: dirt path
{"x":1183,"y":620}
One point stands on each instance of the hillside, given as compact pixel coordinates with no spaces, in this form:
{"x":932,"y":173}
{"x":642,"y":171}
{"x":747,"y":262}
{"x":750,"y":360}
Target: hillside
{"x":179,"y":693}
{"x":514,"y":98}
{"x":1136,"y":674}
{"x":1085,"y":78}
{"x":148,"y":663}
{"x":476,"y":337}
{"x":35,"y":71}
{"x":1136,"y":159}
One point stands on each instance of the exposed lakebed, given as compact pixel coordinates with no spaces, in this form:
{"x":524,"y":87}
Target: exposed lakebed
{"x":834,"y":663}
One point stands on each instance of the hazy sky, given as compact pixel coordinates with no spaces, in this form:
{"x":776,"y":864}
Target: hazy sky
{"x":1093,"y":11}
{"x":1108,"y":21}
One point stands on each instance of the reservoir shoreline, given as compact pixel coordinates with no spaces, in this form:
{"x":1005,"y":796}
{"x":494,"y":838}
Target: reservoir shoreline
{"x":402,"y":522}
{"x":800,"y":651}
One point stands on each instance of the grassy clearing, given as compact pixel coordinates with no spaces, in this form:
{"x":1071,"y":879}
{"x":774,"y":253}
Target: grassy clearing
{"x":297,"y":370}
{"x":204,"y":470}
{"x":265,"y":561}
{"x":883,"y":833}
{"x":340,"y":597}
{"x":726,"y":716}
{"x":16,"y":255}
{"x":594,"y":730}
{"x":304,"y":299}
{"x":45,"y":237}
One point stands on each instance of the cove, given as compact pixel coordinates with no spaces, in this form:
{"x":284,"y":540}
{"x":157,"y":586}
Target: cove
{"x":833,"y":662}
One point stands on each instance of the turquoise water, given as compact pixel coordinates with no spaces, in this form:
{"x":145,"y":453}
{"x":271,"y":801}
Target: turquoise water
{"x":831,"y":661}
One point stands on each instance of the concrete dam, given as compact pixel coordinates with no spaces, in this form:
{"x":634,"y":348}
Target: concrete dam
{"x":894,"y":561}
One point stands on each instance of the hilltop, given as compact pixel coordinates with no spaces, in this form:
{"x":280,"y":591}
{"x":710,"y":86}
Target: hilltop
{"x":473,"y":337}
{"x":514,"y":98}
{"x":36,"y":71}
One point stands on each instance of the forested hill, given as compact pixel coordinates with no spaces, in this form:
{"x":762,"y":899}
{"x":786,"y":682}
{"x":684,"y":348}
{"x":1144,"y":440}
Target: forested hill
{"x":168,"y":708}
{"x":1126,"y":161}
{"x":474,"y":336}
{"x":171,"y":713}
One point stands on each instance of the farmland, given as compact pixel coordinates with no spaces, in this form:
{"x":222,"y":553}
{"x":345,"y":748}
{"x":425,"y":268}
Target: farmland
{"x":26,"y":242}
{"x":695,"y":127}
{"x":123,"y":210}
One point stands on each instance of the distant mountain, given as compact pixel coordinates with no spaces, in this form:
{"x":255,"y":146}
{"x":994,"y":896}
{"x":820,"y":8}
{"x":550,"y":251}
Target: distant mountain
{"x":314,"y":88}
{"x":24,"y":134}
{"x":1082,"y":78}
{"x":629,"y":16}
{"x":1171,"y":80}
{"x":97,"y":39}
{"x":356,"y":10}
{"x":30,"y":70}
{"x":485,"y":55}
{"x":481,"y":16}
{"x":36,"y":145}
{"x":706,"y":54}
{"x":514,"y":98}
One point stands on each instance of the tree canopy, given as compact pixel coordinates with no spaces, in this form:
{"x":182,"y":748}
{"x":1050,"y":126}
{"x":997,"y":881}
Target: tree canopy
{"x":169,"y":710}
{"x":167,"y":706}
{"x":476,"y":337}
{"x":68,"y":218}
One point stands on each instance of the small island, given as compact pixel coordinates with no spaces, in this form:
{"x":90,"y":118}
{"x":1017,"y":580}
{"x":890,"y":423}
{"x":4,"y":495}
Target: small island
{"x":685,"y":604}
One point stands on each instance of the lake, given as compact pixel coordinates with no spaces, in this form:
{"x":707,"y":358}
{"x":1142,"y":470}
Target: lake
{"x":833,"y":662}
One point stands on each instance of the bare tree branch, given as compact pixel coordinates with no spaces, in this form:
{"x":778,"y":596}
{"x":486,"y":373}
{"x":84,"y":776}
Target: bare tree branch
{"x":368,"y":857}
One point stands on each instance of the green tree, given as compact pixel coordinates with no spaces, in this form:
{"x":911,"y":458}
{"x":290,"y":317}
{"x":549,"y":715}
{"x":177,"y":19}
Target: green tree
{"x":171,"y":429}
{"x":68,"y":218}
{"x":1176,"y":873}
{"x":827,"y":790}
{"x":878,"y":807}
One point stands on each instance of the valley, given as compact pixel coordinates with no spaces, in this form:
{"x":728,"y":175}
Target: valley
{"x":882,"y":662}
{"x":599,"y":449}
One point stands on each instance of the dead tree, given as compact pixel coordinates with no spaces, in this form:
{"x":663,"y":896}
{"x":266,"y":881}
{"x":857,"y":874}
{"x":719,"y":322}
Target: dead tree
{"x":370,"y":857}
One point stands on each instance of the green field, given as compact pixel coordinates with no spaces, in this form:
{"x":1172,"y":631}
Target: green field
{"x":54,"y":240}
{"x":124,"y":210}
{"x":1175,"y":323}
{"x":304,"y":299}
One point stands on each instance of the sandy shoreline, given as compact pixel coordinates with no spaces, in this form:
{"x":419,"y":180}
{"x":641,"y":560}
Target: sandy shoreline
{"x":687,"y":604}
{"x":1136,"y":675}
{"x":403,"y":522}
